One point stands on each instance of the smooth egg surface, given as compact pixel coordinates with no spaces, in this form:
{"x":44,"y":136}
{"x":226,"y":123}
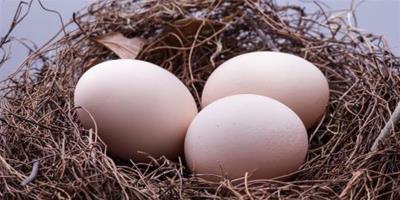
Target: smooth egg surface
{"x":287,"y":78}
{"x":139,"y":108}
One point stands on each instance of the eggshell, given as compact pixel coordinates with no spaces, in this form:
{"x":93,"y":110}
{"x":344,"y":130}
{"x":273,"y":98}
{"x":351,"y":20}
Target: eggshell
{"x":287,"y":78}
{"x":137,"y":106}
{"x":246,"y":133}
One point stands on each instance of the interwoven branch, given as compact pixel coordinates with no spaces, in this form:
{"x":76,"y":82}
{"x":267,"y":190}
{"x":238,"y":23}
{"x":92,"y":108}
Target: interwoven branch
{"x":38,"y":119}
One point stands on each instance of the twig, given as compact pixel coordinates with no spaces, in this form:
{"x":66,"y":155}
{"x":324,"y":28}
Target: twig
{"x":350,"y":184}
{"x":38,"y":118}
{"x":57,"y":13}
{"x":33,"y":174}
{"x":394,"y":118}
{"x":246,"y":184}
{"x":16,"y":20}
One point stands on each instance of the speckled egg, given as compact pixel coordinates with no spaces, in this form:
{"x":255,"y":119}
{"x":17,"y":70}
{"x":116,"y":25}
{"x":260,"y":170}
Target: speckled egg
{"x":246,"y":133}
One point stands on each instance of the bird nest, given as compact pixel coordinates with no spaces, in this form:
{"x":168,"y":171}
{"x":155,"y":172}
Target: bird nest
{"x":354,"y":150}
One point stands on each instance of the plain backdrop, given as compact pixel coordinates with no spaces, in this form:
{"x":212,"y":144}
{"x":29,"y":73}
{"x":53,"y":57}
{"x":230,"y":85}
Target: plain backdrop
{"x":377,"y":16}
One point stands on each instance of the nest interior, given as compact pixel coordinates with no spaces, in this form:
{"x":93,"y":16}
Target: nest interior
{"x":40,"y":132}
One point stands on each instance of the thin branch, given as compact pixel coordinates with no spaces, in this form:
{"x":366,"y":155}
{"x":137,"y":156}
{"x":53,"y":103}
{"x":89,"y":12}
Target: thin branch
{"x":33,"y":174}
{"x":385,"y":132}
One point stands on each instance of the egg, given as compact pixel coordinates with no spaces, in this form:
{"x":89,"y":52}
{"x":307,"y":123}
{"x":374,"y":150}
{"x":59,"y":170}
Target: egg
{"x":245,"y":133}
{"x":138,"y":108}
{"x":289,"y":79}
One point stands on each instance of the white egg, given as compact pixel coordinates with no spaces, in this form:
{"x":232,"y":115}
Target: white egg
{"x":287,"y":78}
{"x":137,"y":106}
{"x":246,"y":133}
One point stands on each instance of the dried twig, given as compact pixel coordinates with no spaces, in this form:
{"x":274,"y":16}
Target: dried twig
{"x":32,"y":176}
{"x":385,"y":132}
{"x":38,"y":120}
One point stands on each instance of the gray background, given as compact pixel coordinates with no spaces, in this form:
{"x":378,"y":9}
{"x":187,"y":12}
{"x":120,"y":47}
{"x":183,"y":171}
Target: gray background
{"x":377,"y":16}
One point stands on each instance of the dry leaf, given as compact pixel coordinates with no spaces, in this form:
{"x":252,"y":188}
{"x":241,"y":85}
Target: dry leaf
{"x":122,"y":46}
{"x":184,"y":30}
{"x":190,"y":26}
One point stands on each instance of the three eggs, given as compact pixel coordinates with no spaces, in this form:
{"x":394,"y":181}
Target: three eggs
{"x":256,"y":108}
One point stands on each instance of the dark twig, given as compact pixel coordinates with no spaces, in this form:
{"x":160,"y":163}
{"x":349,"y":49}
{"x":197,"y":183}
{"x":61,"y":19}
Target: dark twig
{"x":38,"y":119}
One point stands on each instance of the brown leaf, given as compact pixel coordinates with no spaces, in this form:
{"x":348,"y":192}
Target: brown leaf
{"x":184,"y":30}
{"x":122,"y":46}
{"x":190,"y":26}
